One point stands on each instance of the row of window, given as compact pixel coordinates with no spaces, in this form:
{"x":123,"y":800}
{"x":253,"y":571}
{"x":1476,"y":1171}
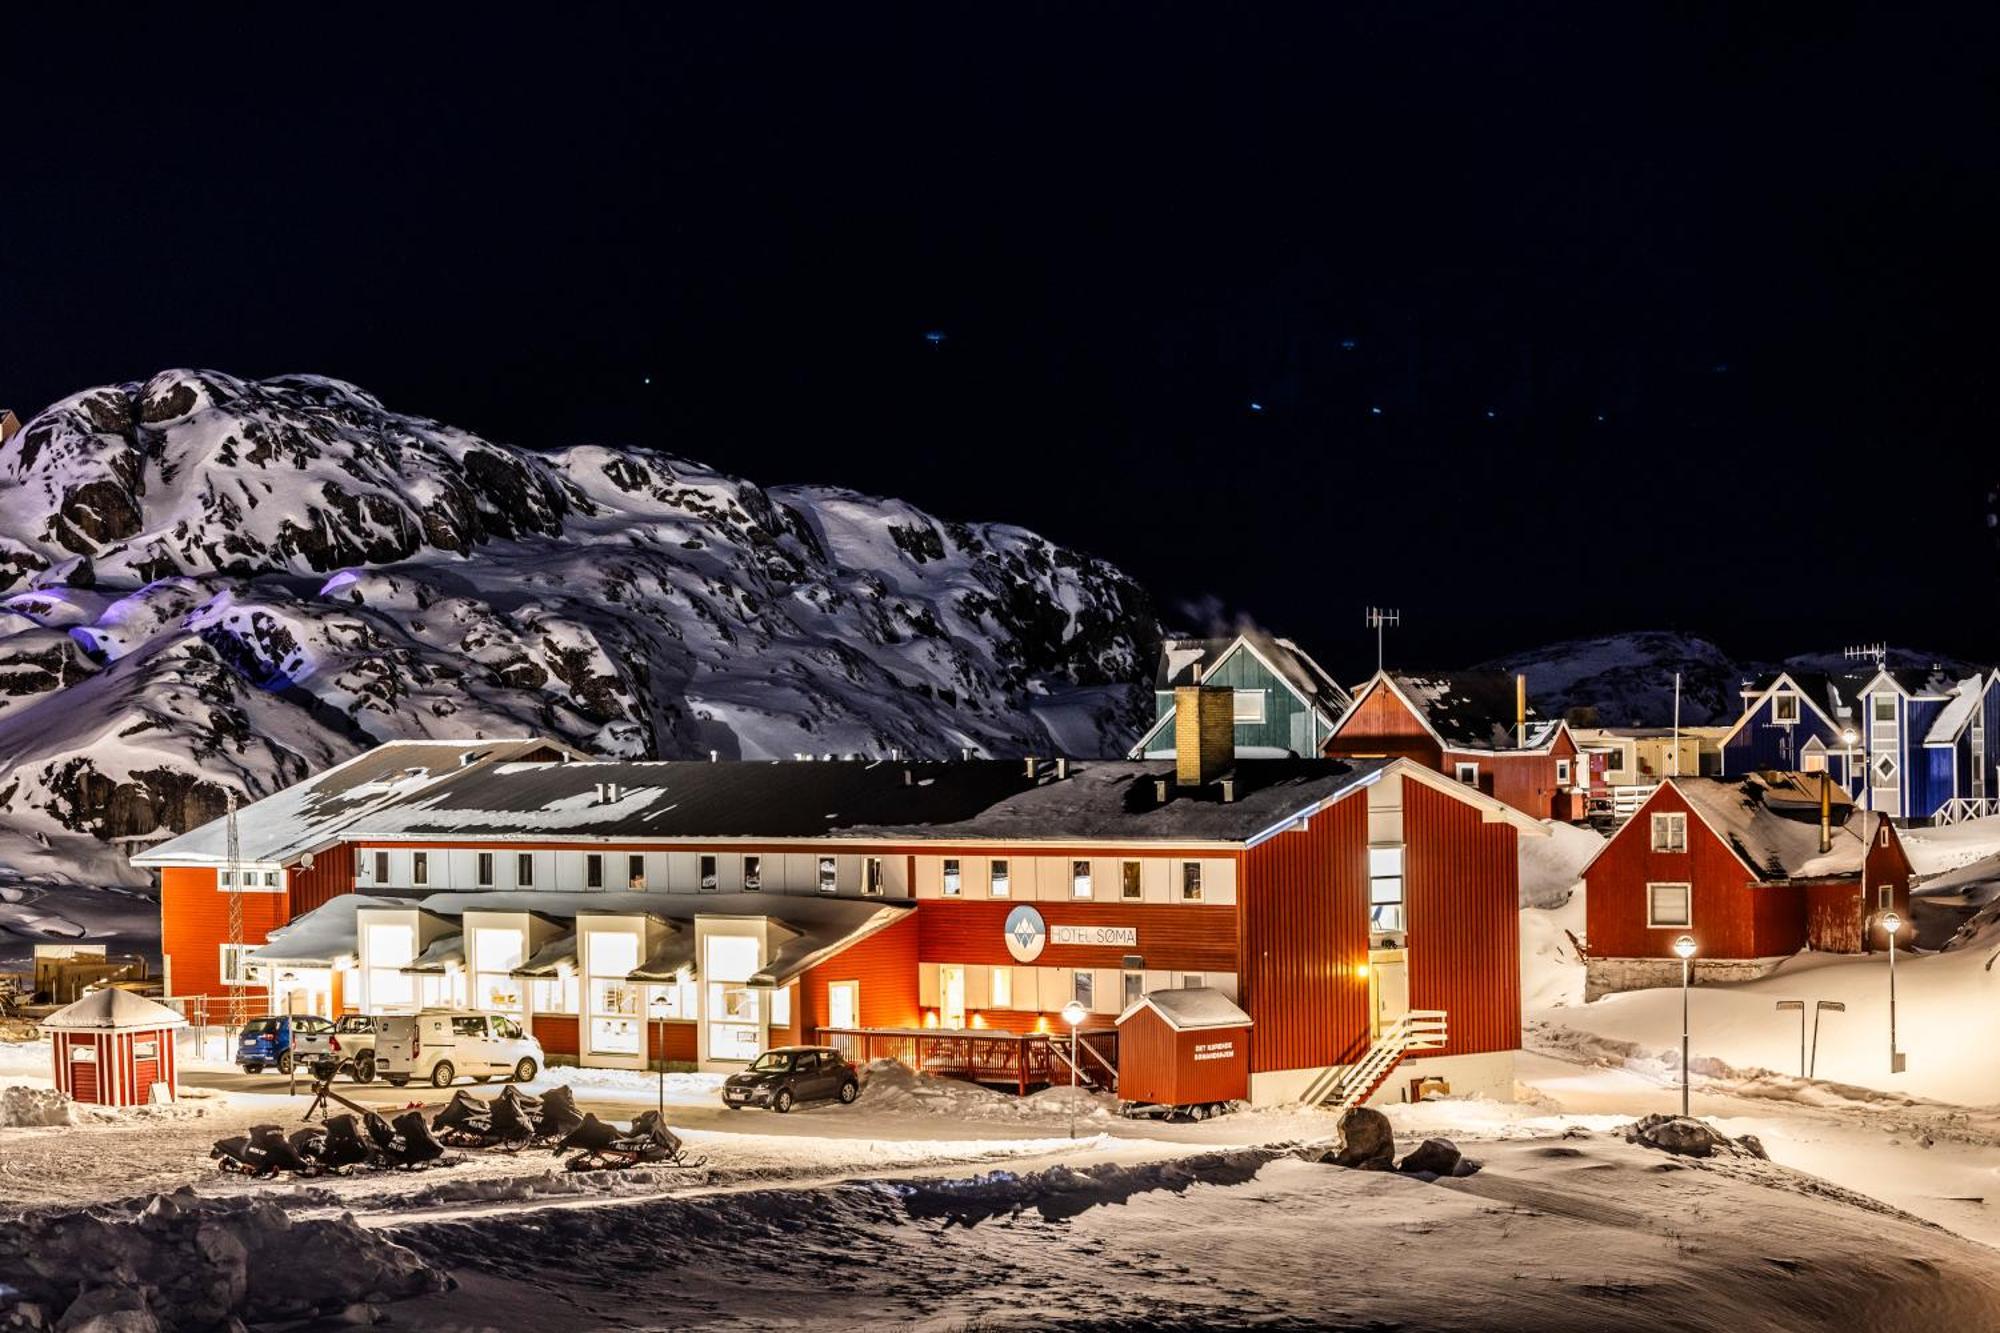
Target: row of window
{"x":1467,"y":771}
{"x":1000,"y":880}
{"x":1083,"y":988}
{"x":872,"y":879}
{"x":252,"y":879}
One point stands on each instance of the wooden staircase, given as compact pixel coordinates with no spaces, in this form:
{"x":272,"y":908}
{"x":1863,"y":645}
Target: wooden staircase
{"x":1418,"y":1030}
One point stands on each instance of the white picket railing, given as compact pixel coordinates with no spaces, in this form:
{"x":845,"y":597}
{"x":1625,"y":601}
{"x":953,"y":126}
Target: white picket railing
{"x":1961,"y":808}
{"x":1418,"y":1030}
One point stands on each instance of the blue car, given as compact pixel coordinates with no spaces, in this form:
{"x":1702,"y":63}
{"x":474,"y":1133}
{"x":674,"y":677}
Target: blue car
{"x":267,"y":1042}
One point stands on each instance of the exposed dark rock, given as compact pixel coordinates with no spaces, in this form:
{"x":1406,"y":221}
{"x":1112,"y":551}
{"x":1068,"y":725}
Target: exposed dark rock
{"x":1367,"y":1143}
{"x":1432,"y":1157}
{"x":1687,"y":1137}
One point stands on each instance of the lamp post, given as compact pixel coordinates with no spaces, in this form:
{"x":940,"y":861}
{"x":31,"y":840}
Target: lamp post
{"x":1684,"y":950}
{"x":660,"y":1032}
{"x":1893,"y":923}
{"x":1073,"y":1013}
{"x":286,"y":979}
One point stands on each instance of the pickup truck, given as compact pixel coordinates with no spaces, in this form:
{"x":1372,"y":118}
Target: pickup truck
{"x":348,"y":1044}
{"x":276,"y":1040}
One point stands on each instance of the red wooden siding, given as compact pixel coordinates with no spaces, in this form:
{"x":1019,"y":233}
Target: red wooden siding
{"x":1182,"y":937}
{"x":1833,"y":917}
{"x":1525,"y":781}
{"x":1381,"y":725}
{"x":556,"y":1033}
{"x":886,"y":966}
{"x":1462,"y":877}
{"x":675,"y":1040}
{"x":1301,"y":922}
{"x":1157,"y":1064}
{"x":332,"y":875}
{"x":194,"y":921}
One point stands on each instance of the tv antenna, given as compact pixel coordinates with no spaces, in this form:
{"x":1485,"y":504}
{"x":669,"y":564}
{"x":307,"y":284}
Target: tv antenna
{"x":1380,"y":618}
{"x":1878,"y":653}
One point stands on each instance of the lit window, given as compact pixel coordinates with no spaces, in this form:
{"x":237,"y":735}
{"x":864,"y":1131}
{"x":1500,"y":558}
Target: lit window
{"x":1670,"y":832}
{"x":1785,"y":708}
{"x":593,"y":871}
{"x":635,"y":871}
{"x":753,"y":873}
{"x":524,"y":869}
{"x":1079,"y":879}
{"x":1002,"y":885}
{"x":1562,"y":772}
{"x":871,"y":876}
{"x":1128,"y":882}
{"x":1191,"y":881}
{"x":1003,"y":988}
{"x":828,"y":875}
{"x":1385,"y":888}
{"x":420,"y":868}
{"x":952,"y":885}
{"x":1667,"y":906}
{"x":781,"y":1007}
{"x":710,"y":880}
{"x":485,"y":860}
{"x":1249,"y":705}
{"x":1081,"y":985}
{"x":1468,"y":773}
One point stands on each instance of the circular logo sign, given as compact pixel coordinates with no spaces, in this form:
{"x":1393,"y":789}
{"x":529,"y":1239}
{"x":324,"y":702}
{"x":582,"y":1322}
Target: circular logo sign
{"x":1026,"y":934}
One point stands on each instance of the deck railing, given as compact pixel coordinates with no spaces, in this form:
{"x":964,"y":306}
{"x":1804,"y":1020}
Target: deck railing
{"x":984,"y":1055}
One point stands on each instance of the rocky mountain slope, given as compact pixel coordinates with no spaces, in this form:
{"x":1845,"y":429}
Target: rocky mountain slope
{"x":210,"y":582}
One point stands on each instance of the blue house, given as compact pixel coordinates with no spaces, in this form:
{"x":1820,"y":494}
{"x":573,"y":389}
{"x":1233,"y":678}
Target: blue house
{"x":1285,"y":703}
{"x":1798,"y":721}
{"x":1928,"y":744}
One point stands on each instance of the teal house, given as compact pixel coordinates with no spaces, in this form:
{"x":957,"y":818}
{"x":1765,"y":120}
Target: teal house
{"x":1285,"y":704}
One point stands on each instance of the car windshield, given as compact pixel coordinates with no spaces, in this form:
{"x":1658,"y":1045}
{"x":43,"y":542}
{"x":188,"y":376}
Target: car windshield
{"x":257,"y":1027}
{"x":772,"y":1062}
{"x":355,"y":1023}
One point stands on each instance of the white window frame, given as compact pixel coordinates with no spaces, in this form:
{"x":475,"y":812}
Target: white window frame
{"x":1000,"y":878}
{"x":1785,"y":708}
{"x":1563,"y":772}
{"x":1191,"y":885}
{"x":1131,"y":886}
{"x":382,"y":872}
{"x":951,"y":878}
{"x":635,"y":870}
{"x":874,"y":877}
{"x":1652,"y":919}
{"x":482,"y":869}
{"x":1083,"y":988}
{"x":1081,"y":885}
{"x":1466,"y":771}
{"x":524,"y":870}
{"x":1388,"y":887}
{"x":829,"y":875}
{"x":420,"y":868}
{"x":1890,"y":781}
{"x":1000,"y":988}
{"x":1249,"y":716}
{"x":1670,"y":821}
{"x":1876,"y":712}
{"x":708,"y":872}
{"x":753,"y":872}
{"x":244,"y":973}
{"x":593,"y":870}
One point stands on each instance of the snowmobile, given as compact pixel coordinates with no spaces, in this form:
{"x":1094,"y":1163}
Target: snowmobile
{"x":507,"y":1122}
{"x":343,"y":1147}
{"x":606,"y":1147}
{"x":557,"y":1116}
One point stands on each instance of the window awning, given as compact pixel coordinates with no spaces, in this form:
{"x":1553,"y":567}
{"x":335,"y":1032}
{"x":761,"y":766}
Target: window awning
{"x":558,"y":955}
{"x":446,"y":951}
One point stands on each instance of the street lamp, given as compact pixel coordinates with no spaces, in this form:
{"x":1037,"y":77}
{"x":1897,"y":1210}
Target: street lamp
{"x":1684,"y":950}
{"x":660,"y":1032}
{"x":1073,"y":1013}
{"x":1893,"y":923}
{"x":292,"y":1036}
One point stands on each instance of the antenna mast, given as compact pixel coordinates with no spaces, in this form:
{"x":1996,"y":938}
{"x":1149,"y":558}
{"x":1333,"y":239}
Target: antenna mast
{"x":1878,"y":653}
{"x":1380,"y":618}
{"x":239,"y":998}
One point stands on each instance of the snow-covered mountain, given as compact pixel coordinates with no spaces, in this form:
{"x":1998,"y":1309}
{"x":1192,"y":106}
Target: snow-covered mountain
{"x":206,"y":580}
{"x":1628,"y":679}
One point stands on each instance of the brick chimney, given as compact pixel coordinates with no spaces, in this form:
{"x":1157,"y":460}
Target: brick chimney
{"x":1204,"y":734}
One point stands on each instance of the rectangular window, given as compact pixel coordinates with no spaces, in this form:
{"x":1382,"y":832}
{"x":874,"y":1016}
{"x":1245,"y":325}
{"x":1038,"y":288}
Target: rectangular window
{"x":1003,"y":988}
{"x":485,"y":877}
{"x":1385,"y":888}
{"x":1001,"y":884}
{"x":236,"y":967}
{"x":1079,"y":879}
{"x":1193,"y":980}
{"x":496,"y":953}
{"x":270,"y":879}
{"x":635,"y":871}
{"x":554,"y":995}
{"x":1466,"y":772}
{"x":1562,"y":772}
{"x":871,"y":876}
{"x":388,"y":949}
{"x":1668,"y":906}
{"x":781,"y":1007}
{"x":1670,"y":832}
{"x":952,"y":886}
{"x":829,"y":880}
{"x":753,"y":873}
{"x":593,"y":871}
{"x":675,"y":1000}
{"x":226,"y":878}
{"x":381,"y":867}
{"x":710,"y":880}
{"x":614,"y":1001}
{"x":1249,"y":705}
{"x":1128,"y":881}
{"x":1134,"y":988}
{"x":734,"y":1007}
{"x":1190,"y":881}
{"x":1883,"y":706}
{"x":420,"y":868}
{"x":1785,"y":708}
{"x":524,"y":869}
{"x":1081,"y":984}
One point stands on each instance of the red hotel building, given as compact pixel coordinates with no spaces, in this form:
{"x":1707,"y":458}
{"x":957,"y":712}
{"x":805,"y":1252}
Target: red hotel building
{"x":758,"y":903}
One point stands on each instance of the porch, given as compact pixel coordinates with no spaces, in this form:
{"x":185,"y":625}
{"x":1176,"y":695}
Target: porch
{"x":1022,"y":1060}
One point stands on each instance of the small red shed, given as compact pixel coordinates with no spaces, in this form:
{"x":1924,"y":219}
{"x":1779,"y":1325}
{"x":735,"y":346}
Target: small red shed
{"x":1186,"y":1047}
{"x":112,"y":1048}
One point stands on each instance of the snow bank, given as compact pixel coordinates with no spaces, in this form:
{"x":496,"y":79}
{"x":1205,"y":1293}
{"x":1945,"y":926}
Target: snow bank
{"x":1552,"y":867}
{"x":891,"y":1085}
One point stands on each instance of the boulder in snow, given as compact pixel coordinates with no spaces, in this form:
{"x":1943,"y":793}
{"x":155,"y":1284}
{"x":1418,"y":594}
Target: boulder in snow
{"x":1685,"y":1136}
{"x":1433,"y":1158}
{"x":1366,"y":1141}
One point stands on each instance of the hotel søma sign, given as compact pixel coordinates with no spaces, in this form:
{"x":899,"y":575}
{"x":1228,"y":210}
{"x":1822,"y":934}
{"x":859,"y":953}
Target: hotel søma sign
{"x":1027,"y":935}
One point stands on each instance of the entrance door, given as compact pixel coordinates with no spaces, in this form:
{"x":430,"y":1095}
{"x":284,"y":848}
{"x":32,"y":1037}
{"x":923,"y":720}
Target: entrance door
{"x":843,"y":1004}
{"x":951,"y":989}
{"x":1388,"y":987}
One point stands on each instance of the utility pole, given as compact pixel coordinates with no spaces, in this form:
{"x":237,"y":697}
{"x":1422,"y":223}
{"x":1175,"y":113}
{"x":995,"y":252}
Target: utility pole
{"x":1674,"y":761}
{"x":239,"y":997}
{"x":1380,"y":618}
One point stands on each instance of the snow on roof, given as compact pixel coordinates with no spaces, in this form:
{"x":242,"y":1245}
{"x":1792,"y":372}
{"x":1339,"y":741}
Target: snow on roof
{"x":440,"y":956}
{"x":1775,"y":846}
{"x":1190,"y":1009}
{"x":111,"y":1009}
{"x":1474,"y":710}
{"x":325,"y":936}
{"x":1951,"y":719}
{"x":551,"y":958}
{"x":307,"y":814}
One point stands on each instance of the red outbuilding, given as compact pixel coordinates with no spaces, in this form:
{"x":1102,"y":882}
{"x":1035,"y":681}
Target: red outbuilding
{"x":113,"y":1048}
{"x":1188,"y":1047}
{"x":1754,"y":869}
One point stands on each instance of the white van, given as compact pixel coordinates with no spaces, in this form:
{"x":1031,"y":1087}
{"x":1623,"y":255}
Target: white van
{"x":437,"y":1045}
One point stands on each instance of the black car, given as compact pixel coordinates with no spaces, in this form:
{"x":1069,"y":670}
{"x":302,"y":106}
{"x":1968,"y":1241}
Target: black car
{"x":789,"y":1074}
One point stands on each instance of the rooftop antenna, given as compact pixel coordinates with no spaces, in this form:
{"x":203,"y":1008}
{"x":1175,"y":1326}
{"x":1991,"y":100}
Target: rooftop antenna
{"x":1878,"y":653}
{"x":239,"y":998}
{"x":1380,"y":618}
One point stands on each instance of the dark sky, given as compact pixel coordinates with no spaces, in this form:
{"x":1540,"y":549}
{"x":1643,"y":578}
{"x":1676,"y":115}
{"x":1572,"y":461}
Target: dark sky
{"x":1561,"y":320}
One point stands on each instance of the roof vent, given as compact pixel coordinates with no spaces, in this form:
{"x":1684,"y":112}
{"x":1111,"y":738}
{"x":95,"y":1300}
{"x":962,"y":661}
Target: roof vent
{"x":468,"y":758}
{"x":1160,"y":790}
{"x":909,"y":778}
{"x":1033,"y":768}
{"x":608,"y":793}
{"x":1062,"y":767}
{"x":1228,"y":786}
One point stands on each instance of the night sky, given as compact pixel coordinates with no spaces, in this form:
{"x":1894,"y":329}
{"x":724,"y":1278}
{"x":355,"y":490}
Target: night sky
{"x":1533,"y":321}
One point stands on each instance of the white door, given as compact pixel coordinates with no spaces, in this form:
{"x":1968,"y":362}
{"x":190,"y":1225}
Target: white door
{"x":843,"y":1004}
{"x":951,"y":986}
{"x":1389,"y":987}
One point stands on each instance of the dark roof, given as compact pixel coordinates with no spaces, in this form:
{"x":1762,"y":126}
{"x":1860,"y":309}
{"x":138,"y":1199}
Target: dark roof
{"x":1472,"y":710}
{"x":1776,"y":833}
{"x":1187,"y":662}
{"x":864,"y":799}
{"x":1832,"y":692}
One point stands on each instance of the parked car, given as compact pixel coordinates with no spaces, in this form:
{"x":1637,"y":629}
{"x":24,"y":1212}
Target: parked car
{"x":786,"y":1075}
{"x":267,"y":1042}
{"x":349,"y":1045}
{"x":437,"y":1045}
